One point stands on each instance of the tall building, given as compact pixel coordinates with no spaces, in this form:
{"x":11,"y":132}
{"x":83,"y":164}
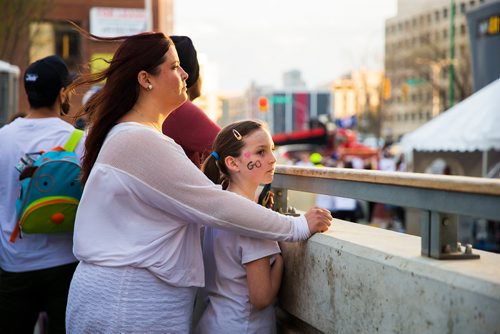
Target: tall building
{"x":427,"y":62}
{"x":357,"y":96}
{"x":484,"y":22}
{"x":49,"y":32}
{"x":293,"y":80}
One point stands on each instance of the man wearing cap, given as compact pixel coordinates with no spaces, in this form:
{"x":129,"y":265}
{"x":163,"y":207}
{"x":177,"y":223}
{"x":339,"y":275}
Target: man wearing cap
{"x":188,"y":125}
{"x":36,"y":270}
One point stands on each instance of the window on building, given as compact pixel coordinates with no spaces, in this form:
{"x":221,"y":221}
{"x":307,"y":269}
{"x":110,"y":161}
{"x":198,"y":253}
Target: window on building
{"x":462,"y":50}
{"x":428,"y":115}
{"x":67,"y":44}
{"x":436,"y":15}
{"x":445,"y":33}
{"x":462,"y":8}
{"x":445,"y":13}
{"x":463,"y":29}
{"x":472,"y":3}
{"x":54,"y":37}
{"x":444,"y":72}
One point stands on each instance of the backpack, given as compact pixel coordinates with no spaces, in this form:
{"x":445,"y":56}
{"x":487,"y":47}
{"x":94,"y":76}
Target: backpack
{"x":50,"y":190}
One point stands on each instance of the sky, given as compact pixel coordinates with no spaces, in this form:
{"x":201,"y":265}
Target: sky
{"x":259,"y":40}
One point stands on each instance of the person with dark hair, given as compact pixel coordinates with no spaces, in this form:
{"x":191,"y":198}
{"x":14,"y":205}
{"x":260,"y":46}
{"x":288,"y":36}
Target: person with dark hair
{"x":36,"y":270}
{"x":137,"y":229}
{"x":243,"y":274}
{"x":188,"y":125}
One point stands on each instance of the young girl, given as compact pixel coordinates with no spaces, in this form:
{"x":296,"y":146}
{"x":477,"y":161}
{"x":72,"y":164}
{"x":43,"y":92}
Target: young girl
{"x":242,"y":274}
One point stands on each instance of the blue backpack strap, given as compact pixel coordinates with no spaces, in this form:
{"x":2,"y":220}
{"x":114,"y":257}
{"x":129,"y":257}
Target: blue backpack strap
{"x":73,"y":140}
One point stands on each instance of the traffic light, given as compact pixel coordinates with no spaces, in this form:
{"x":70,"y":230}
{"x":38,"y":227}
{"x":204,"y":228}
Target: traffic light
{"x":405,"y":88}
{"x":263,"y":104}
{"x":387,"y":88}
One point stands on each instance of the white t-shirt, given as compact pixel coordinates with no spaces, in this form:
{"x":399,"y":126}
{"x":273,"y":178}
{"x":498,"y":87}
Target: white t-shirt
{"x":387,"y":164}
{"x":33,"y":251}
{"x":144,"y":202}
{"x":229,"y":309}
{"x":334,"y":203}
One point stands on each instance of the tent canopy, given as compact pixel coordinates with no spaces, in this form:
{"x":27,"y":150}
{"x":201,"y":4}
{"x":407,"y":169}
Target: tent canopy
{"x":471,"y":125}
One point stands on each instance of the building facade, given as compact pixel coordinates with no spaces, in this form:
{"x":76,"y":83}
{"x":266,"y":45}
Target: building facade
{"x":427,"y":62}
{"x":51,"y":33}
{"x":357,"y":96}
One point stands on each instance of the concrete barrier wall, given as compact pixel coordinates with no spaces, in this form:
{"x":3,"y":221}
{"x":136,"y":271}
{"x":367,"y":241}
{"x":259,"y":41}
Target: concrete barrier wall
{"x":361,"y":279}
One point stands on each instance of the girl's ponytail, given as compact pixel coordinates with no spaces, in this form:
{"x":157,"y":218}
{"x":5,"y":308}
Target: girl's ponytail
{"x":211,"y":170}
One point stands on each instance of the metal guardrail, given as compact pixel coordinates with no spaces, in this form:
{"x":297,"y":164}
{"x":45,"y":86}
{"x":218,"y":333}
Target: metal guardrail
{"x":441,"y":198}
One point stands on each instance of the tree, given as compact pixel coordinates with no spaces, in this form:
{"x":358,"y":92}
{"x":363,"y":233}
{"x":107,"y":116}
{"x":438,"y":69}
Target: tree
{"x":430,"y":63}
{"x":15,"y":19}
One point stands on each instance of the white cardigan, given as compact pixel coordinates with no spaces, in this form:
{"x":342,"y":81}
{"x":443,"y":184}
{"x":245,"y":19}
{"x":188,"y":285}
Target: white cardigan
{"x":144,"y":202}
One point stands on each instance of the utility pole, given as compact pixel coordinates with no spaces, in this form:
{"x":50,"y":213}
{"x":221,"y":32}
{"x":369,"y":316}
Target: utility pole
{"x":451,"y":95}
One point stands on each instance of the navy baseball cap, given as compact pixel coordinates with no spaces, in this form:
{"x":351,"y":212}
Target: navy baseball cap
{"x":44,"y":79}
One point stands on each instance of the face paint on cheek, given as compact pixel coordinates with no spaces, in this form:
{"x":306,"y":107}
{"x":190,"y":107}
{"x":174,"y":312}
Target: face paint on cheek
{"x":256,"y":164}
{"x":247,"y":155}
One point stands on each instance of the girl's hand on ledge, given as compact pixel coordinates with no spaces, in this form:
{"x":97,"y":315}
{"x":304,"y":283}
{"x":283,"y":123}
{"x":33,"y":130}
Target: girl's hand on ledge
{"x":318,"y":219}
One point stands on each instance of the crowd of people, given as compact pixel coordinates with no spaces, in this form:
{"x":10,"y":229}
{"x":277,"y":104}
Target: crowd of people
{"x":135,"y":261}
{"x":350,"y":209}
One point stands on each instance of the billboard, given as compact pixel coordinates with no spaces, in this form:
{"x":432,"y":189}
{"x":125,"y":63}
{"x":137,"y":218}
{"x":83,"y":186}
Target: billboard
{"x":294,"y":111}
{"x":112,"y":22}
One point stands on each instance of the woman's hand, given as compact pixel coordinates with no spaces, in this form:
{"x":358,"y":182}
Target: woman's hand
{"x":318,"y":219}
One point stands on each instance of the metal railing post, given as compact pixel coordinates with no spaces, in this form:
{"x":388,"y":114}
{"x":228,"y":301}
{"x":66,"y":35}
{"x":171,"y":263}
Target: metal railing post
{"x":440,"y":199}
{"x":439,"y":233}
{"x":281,"y":202}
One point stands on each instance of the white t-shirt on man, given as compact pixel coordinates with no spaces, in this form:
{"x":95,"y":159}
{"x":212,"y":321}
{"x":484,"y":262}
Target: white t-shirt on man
{"x":33,"y":251}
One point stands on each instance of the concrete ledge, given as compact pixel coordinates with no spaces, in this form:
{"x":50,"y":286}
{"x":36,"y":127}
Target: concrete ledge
{"x":361,"y":279}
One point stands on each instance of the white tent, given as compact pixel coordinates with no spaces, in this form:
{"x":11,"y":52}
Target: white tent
{"x":473,"y":125}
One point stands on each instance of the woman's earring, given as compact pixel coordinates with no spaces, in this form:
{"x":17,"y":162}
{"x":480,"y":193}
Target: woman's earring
{"x":150,"y":86}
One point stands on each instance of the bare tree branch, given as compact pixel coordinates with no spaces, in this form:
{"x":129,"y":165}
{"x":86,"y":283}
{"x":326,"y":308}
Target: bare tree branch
{"x":15,"y":19}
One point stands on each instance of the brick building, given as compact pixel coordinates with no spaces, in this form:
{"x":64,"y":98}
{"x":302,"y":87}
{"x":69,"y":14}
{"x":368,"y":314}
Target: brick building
{"x":53,"y":34}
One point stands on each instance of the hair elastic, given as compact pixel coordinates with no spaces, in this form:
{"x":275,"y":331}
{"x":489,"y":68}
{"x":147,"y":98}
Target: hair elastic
{"x":215,"y":155}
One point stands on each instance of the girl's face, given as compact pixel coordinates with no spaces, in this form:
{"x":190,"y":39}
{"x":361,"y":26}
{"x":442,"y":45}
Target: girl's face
{"x":257,"y":161}
{"x":170,"y":83}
